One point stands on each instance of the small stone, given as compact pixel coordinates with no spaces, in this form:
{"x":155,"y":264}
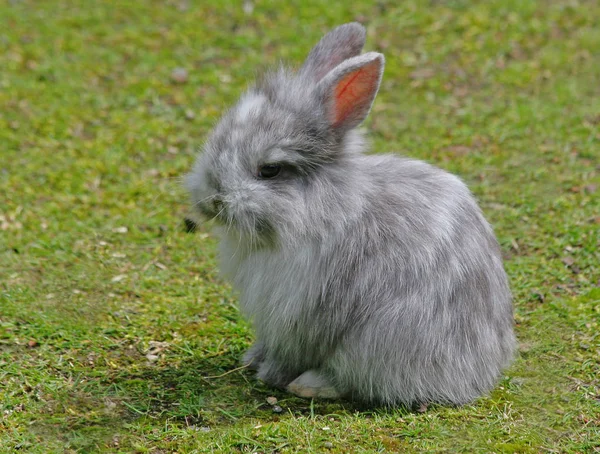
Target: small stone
{"x":32,"y":343}
{"x":277,"y":409}
{"x":328,"y":444}
{"x":271,"y":400}
{"x":179,"y":75}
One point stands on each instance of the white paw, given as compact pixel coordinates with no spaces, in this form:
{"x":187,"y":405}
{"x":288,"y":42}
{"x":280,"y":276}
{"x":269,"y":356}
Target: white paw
{"x":312,"y":384}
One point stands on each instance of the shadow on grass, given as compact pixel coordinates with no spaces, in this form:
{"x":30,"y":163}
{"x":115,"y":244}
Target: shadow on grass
{"x":204,"y":392}
{"x":192,"y":394}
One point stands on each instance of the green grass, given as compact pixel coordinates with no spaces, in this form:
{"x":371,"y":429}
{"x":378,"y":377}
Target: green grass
{"x":95,"y":265}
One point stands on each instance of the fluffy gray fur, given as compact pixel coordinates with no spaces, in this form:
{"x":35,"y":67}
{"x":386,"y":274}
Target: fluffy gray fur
{"x":377,"y":274}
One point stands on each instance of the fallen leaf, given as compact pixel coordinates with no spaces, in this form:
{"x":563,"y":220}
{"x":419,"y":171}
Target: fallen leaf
{"x":514,"y":244}
{"x":525,"y":347}
{"x":155,"y":347}
{"x":422,"y":73}
{"x":152,"y":358}
{"x":459,"y":150}
{"x":248,"y":7}
{"x":225,"y":78}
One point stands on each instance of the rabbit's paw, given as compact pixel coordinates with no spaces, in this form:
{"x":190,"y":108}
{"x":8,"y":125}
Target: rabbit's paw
{"x":274,"y":373}
{"x":313,"y":384}
{"x":254,"y":356}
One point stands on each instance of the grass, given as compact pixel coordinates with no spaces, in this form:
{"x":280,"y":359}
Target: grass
{"x":97,"y":272}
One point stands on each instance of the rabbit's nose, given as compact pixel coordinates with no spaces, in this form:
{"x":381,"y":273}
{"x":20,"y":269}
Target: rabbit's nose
{"x":218,"y":205}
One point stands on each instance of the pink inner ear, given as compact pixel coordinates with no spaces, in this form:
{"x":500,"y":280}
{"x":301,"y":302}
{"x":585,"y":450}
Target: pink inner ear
{"x":354,"y":92}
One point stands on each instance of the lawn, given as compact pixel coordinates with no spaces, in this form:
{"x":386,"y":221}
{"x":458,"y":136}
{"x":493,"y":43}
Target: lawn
{"x":117,"y":333}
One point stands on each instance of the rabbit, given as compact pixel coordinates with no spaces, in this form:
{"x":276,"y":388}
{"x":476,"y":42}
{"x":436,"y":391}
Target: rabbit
{"x":373,"y":278}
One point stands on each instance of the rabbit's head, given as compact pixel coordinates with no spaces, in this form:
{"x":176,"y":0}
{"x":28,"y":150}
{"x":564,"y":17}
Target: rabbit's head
{"x":269,"y":161}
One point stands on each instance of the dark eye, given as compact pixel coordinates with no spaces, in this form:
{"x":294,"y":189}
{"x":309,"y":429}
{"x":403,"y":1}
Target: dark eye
{"x":269,"y":170}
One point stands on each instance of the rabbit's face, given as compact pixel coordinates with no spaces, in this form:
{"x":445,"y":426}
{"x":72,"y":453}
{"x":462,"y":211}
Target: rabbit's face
{"x":271,"y":168}
{"x":257,"y":164}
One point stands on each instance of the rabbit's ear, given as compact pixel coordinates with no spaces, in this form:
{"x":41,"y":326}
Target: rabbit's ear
{"x":349,"y":89}
{"x":343,"y":42}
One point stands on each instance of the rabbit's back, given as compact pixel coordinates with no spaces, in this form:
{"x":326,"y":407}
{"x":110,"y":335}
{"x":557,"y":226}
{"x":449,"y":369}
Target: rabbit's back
{"x":442,"y":315}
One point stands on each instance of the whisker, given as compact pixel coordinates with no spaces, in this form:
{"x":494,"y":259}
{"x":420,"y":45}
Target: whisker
{"x":217,"y":215}
{"x":229,"y":224}
{"x":238,"y":246}
{"x":253,"y":235}
{"x":204,"y":200}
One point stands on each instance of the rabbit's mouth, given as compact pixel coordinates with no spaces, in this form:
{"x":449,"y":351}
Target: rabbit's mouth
{"x":215,"y":210}
{"x":251,"y":225}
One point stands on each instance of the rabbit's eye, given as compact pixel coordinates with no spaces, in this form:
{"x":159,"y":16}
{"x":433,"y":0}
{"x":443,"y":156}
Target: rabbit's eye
{"x":269,"y":170}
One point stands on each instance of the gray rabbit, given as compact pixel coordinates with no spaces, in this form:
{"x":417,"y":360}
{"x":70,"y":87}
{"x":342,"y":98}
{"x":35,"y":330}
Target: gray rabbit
{"x":374,"y":278}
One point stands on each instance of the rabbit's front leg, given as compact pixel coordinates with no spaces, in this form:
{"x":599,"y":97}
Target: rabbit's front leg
{"x":275,"y":373}
{"x":267,"y":369}
{"x":313,"y":383}
{"x":254,"y":356}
